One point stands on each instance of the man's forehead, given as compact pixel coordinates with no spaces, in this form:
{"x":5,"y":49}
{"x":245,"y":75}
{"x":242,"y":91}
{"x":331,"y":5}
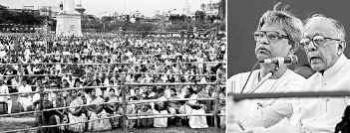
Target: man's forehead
{"x":271,"y":27}
{"x":320,"y":26}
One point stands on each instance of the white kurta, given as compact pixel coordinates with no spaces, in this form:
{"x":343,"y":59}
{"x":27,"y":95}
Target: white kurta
{"x":27,"y":100}
{"x":322,"y":114}
{"x":160,"y":122}
{"x":195,"y":121}
{"x":260,"y":113}
{"x":5,"y":90}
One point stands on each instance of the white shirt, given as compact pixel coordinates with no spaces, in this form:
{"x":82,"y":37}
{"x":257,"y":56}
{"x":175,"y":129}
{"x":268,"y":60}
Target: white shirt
{"x":24,"y":89}
{"x":4,"y":90}
{"x":322,"y":114}
{"x":160,"y":122}
{"x":261,"y":113}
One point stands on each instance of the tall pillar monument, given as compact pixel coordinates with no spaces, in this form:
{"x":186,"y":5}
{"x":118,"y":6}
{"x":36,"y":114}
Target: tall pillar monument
{"x":68,"y":20}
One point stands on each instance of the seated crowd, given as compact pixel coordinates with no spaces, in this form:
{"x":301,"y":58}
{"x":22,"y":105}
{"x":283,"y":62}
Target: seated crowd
{"x":33,"y":63}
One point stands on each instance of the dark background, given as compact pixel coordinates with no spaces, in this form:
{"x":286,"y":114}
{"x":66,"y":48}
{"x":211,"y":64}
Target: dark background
{"x":243,"y":17}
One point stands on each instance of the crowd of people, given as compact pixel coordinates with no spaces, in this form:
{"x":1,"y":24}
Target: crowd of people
{"x":33,"y":63}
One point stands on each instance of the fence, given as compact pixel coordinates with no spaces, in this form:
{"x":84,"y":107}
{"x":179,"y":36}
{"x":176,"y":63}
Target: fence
{"x":125,"y":116}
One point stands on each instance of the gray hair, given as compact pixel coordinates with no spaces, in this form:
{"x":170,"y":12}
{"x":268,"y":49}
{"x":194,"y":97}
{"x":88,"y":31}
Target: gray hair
{"x":290,"y":24}
{"x":337,"y":25}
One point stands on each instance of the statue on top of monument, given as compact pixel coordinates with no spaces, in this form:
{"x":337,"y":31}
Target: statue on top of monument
{"x":68,"y":6}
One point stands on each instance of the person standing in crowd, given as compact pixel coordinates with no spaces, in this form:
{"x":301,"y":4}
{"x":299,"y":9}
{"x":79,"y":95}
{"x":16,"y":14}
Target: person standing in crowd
{"x":25,"y":98}
{"x":278,"y":34}
{"x":7,"y":99}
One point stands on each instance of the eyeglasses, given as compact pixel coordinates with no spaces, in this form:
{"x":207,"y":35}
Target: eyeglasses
{"x":317,"y":40}
{"x":270,"y":35}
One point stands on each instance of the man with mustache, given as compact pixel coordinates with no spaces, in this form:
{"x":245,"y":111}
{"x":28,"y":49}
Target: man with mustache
{"x":324,"y":43}
{"x":278,"y":34}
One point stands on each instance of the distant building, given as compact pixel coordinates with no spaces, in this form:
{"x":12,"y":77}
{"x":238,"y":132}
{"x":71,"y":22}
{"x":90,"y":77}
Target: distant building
{"x":149,"y":20}
{"x":211,"y":8}
{"x":3,"y":7}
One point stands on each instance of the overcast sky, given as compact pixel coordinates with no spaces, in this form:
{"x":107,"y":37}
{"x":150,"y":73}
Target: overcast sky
{"x":103,"y":7}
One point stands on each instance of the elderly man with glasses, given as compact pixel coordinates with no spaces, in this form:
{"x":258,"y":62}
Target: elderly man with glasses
{"x":324,"y":44}
{"x":278,"y":35}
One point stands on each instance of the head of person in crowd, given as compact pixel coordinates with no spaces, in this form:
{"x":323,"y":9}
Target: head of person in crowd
{"x":77,"y":83}
{"x":24,"y":82}
{"x":112,"y":92}
{"x":65,"y":83}
{"x":91,"y":92}
{"x":278,"y":35}
{"x":173,"y":92}
{"x":74,"y":94}
{"x":323,"y":41}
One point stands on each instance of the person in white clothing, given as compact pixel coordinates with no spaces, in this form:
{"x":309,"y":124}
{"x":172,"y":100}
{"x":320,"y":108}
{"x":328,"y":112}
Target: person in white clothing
{"x":278,"y":35}
{"x":324,"y":43}
{"x":26,"y":99}
{"x":193,"y":107}
{"x":7,"y":99}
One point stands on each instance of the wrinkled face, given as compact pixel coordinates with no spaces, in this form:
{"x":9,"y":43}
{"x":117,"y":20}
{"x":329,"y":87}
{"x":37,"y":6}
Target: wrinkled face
{"x":271,"y":43}
{"x":323,"y":55}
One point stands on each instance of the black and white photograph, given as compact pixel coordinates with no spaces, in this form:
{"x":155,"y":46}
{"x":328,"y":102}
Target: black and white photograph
{"x":288,"y":66}
{"x":113,"y":66}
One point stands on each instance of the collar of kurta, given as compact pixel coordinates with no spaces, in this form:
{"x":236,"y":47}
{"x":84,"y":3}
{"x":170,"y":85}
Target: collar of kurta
{"x":336,"y":67}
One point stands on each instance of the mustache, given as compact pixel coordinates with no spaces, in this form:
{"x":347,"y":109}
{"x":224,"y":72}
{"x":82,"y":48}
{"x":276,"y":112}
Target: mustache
{"x":263,"y":49}
{"x":313,"y":54}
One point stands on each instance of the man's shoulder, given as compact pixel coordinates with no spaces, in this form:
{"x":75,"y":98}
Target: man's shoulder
{"x":237,"y":81}
{"x":294,"y":76}
{"x":242,"y":75}
{"x":347,"y":61}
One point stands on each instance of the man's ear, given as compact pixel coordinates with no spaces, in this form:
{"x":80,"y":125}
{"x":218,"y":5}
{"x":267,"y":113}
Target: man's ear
{"x":341,"y":46}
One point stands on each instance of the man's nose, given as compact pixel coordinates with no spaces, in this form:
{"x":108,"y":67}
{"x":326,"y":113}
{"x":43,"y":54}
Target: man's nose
{"x":311,"y":46}
{"x":263,"y":40}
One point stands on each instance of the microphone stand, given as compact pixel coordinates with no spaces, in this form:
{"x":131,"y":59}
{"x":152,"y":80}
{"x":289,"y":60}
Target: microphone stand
{"x":266,"y":77}
{"x":263,"y":80}
{"x":250,"y":74}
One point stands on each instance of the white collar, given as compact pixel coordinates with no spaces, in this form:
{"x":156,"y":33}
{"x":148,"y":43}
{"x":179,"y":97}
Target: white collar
{"x":335,"y":68}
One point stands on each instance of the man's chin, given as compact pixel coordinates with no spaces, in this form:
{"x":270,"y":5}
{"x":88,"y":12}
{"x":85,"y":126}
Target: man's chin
{"x":262,"y":56}
{"x":317,"y":67}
